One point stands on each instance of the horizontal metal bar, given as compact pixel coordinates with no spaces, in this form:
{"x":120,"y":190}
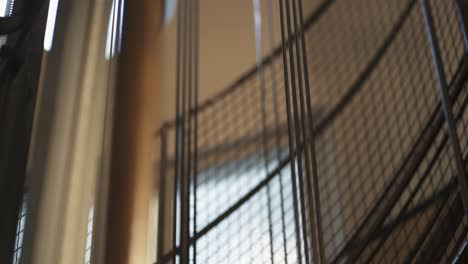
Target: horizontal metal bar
{"x":419,"y":208}
{"x":435,"y":158}
{"x":243,"y":141}
{"x":408,"y":166}
{"x":446,"y":103}
{"x":434,"y":239}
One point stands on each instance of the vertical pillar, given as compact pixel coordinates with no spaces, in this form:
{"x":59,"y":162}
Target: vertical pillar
{"x":67,"y":134}
{"x":135,"y":123}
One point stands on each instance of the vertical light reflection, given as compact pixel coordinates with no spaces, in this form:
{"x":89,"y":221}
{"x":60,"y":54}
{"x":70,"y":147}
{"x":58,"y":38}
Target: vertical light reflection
{"x":114,"y":29}
{"x":89,"y":237}
{"x":50,"y":27}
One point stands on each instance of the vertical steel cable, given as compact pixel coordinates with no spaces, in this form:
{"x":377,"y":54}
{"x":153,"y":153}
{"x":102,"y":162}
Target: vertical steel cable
{"x":312,"y":187}
{"x":186,"y":116}
{"x":184,"y":192}
{"x":305,"y":140}
{"x":292,"y":149}
{"x":447,"y":104}
{"x":195,"y":117}
{"x":177,"y":129}
{"x":277,"y":122}
{"x":261,"y":76}
{"x":162,"y":192}
{"x":297,"y":126}
{"x":187,"y":77}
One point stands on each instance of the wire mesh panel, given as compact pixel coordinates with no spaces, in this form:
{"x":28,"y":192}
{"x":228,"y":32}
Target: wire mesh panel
{"x":389,"y":182}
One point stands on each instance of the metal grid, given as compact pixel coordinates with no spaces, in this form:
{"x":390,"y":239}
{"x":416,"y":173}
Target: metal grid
{"x":387,"y":175}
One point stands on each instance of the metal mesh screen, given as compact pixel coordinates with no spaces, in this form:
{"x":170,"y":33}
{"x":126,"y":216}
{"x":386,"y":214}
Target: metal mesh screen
{"x":387,"y":178}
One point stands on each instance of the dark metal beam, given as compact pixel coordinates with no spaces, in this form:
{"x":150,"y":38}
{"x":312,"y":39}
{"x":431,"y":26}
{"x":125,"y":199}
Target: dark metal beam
{"x":446,"y":103}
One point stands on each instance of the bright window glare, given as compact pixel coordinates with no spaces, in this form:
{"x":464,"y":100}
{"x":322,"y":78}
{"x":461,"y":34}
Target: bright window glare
{"x":114,"y":29}
{"x":3,"y":7}
{"x":5,"y":10}
{"x":51,"y":16}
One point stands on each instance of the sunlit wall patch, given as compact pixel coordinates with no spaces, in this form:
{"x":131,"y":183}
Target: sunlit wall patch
{"x":50,"y":27}
{"x":114,"y":29}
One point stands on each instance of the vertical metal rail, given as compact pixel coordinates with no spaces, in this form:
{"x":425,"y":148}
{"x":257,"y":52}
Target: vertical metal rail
{"x":446,"y":103}
{"x":313,"y":188}
{"x":177,"y":132}
{"x":189,"y":93}
{"x":302,"y":116}
{"x":277,"y":123}
{"x":162,"y":192}
{"x":297,"y":126}
{"x":186,"y":117}
{"x":262,"y":89}
{"x":302,"y":121}
{"x":185,"y":148}
{"x":195,"y":24}
{"x":292,"y":149}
